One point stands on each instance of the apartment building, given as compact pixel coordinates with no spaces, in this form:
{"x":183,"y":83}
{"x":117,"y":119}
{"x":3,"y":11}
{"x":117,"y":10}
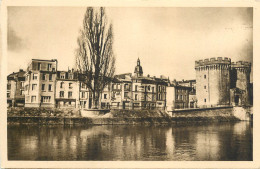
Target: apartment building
{"x":67,"y":89}
{"x":44,"y":86}
{"x":177,"y":97}
{"x":40,"y":79}
{"x":15,"y":89}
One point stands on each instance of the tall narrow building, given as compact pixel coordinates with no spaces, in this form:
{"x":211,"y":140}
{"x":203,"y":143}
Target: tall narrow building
{"x":213,"y":81}
{"x":40,"y":79}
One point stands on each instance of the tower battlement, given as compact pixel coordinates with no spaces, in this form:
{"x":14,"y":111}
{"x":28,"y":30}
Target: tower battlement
{"x":241,"y":64}
{"x":212,"y":61}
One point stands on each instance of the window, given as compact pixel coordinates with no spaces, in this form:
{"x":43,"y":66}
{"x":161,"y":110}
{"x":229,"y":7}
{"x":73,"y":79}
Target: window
{"x":181,"y":97}
{"x":21,"y":92}
{"x":61,"y":93}
{"x":50,"y":87}
{"x":62,"y":76}
{"x":33,"y":99}
{"x":8,"y":86}
{"x":34,"y":86}
{"x":205,"y":76}
{"x":70,"y":76}
{"x":46,"y":99}
{"x":61,"y":84}
{"x":50,"y":76}
{"x":70,"y":94}
{"x":70,"y":85}
{"x":126,"y":95}
{"x":149,"y":88}
{"x":83,"y":85}
{"x":43,"y":77}
{"x":105,"y":96}
{"x":49,"y":67}
{"x":39,"y":66}
{"x":159,"y":88}
{"x":43,"y":87}
{"x":205,"y":87}
{"x":22,"y":84}
{"x":205,"y":100}
{"x":160,"y":97}
{"x":136,"y":87}
{"x":34,"y":77}
{"x":177,"y":97}
{"x":153,"y":89}
{"x":136,"y":96}
{"x":8,"y":95}
{"x":126,"y":86}
{"x":83,"y":95}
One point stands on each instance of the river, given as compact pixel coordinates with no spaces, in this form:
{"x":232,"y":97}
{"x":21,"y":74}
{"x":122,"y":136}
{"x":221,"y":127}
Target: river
{"x":226,"y":141}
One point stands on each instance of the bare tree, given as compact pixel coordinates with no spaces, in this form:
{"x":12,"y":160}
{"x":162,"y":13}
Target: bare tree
{"x":94,"y":56}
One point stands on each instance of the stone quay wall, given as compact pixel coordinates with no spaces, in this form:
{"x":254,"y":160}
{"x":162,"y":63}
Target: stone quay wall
{"x":186,"y":115}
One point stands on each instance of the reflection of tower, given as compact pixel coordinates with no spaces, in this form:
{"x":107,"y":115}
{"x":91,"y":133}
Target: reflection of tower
{"x":138,"y":69}
{"x":213,"y":81}
{"x":240,"y":82}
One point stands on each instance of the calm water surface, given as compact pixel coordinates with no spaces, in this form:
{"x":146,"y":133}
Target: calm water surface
{"x":218,"y":141}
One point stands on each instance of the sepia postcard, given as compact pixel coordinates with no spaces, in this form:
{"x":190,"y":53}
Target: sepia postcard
{"x":120,"y":84}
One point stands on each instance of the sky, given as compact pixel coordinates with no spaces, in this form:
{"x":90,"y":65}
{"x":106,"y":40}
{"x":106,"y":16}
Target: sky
{"x":167,"y":40}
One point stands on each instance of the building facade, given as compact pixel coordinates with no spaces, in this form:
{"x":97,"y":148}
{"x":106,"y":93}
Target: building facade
{"x":220,"y":82}
{"x":15,"y":89}
{"x":213,"y":82}
{"x":177,"y":97}
{"x":40,"y":79}
{"x":240,"y":83}
{"x":67,"y":92}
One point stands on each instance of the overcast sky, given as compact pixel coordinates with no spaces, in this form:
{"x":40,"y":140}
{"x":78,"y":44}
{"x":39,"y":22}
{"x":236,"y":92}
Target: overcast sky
{"x":167,"y":40}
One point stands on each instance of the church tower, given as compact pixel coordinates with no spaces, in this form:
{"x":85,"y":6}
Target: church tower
{"x":138,"y":69}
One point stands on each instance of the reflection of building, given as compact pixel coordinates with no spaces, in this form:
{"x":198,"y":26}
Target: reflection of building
{"x":15,"y":89}
{"x":221,"y":83}
{"x":40,"y":83}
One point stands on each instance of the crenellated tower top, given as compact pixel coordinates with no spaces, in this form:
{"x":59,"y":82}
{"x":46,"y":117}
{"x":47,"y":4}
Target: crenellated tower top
{"x":212,"y":61}
{"x":213,"y":64}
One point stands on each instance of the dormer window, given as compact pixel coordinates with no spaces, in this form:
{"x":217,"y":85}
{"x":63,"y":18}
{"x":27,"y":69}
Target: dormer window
{"x":70,"y":76}
{"x":62,"y":76}
{"x":39,"y":66}
{"x":49,"y":67}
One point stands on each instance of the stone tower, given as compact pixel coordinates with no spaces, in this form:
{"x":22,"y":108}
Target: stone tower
{"x":138,"y":69}
{"x":240,"y":83}
{"x":213,"y":81}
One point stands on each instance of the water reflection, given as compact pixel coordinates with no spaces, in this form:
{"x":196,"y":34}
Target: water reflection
{"x":221,"y":141}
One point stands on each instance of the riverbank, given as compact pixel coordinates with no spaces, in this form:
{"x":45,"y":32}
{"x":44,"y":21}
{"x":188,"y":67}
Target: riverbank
{"x":116,"y":117}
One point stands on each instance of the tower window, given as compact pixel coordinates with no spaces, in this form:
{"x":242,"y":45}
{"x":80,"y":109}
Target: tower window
{"x":205,"y":87}
{"x":205,"y":76}
{"x":205,"y":100}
